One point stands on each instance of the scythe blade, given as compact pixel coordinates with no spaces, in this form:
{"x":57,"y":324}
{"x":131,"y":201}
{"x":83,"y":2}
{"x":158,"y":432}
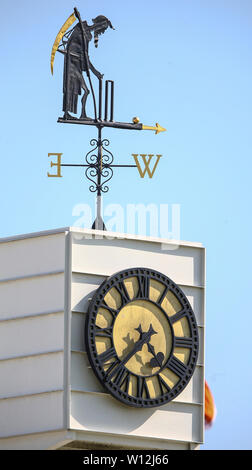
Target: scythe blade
{"x":59,"y":36}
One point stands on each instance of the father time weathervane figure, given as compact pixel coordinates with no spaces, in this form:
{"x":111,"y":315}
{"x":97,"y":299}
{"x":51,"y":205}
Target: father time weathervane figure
{"x":74,"y":44}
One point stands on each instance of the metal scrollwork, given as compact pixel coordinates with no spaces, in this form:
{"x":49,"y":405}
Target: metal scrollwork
{"x":90,"y":173}
{"x":99,"y":161}
{"x":92,"y":158}
{"x":107,"y":156}
{"x":106,"y":173}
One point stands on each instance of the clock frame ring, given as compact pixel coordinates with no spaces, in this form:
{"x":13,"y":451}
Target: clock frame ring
{"x":116,"y":386}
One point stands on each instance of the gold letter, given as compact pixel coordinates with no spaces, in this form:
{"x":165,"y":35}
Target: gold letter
{"x":57,"y":164}
{"x":146,"y":164}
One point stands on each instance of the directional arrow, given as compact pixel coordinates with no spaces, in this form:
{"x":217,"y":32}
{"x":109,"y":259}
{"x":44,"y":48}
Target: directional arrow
{"x":157,"y":128}
{"x":137,"y":126}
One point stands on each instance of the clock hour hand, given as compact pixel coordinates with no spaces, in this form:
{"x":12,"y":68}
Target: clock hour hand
{"x":157,"y":359}
{"x":148,"y":334}
{"x":144,"y":338}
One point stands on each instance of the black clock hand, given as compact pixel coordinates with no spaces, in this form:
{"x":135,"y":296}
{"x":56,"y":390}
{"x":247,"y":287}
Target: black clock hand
{"x":159,"y":357}
{"x":144,"y":338}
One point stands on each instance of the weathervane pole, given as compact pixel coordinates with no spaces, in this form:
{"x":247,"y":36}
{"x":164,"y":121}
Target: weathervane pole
{"x":98,"y":223}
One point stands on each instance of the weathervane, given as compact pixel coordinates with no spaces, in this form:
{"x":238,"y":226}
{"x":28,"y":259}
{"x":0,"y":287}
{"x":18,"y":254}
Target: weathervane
{"x":73,"y":44}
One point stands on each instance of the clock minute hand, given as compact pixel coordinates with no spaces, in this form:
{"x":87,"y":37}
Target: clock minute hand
{"x":144,"y":338}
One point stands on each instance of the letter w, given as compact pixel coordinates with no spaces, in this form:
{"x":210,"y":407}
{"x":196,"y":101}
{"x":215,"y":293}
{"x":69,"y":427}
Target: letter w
{"x":146,"y":164}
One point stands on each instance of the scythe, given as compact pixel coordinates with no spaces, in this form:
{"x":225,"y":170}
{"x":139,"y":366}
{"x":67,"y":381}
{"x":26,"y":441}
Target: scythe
{"x":60,"y":35}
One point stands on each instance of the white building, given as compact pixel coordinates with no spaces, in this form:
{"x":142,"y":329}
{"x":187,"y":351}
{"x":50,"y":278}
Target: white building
{"x":49,"y":394}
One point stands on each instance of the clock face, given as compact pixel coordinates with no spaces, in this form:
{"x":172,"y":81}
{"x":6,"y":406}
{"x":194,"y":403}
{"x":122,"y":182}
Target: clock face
{"x":141,"y":337}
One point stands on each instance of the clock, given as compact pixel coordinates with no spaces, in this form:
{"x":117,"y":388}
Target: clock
{"x":141,"y":337}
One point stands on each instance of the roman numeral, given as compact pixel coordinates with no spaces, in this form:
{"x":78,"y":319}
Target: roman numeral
{"x":119,"y":372}
{"x":107,"y":355}
{"x":162,"y":296}
{"x":163,"y":385}
{"x":176,"y":366}
{"x":144,"y":283}
{"x":180,"y":342}
{"x":126,"y":381}
{"x":120,"y":287}
{"x":115,"y":370}
{"x":182,"y":313}
{"x":104,"y":332}
{"x":142,"y":387}
{"x":120,"y":376}
{"x":113,"y":311}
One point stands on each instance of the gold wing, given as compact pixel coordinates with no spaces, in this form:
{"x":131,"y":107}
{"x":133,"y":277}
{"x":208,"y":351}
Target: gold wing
{"x":59,"y":36}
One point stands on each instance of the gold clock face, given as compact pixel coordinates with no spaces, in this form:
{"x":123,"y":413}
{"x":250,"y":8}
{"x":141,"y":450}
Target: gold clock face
{"x":141,"y":337}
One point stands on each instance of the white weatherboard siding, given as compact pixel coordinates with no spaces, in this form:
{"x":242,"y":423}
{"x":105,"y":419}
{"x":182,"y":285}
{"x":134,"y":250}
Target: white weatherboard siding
{"x":25,"y":256}
{"x":28,"y":414}
{"x":26,"y":297}
{"x":184,"y":265}
{"x":31,"y":335}
{"x":31,"y":374}
{"x":171,"y":421}
{"x":49,"y":395}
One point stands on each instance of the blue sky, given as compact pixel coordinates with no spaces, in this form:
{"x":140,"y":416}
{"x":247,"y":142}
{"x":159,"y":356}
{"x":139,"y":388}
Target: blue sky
{"x":186,"y":64}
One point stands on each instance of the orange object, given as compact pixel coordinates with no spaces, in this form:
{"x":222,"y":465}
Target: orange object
{"x":210,"y":410}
